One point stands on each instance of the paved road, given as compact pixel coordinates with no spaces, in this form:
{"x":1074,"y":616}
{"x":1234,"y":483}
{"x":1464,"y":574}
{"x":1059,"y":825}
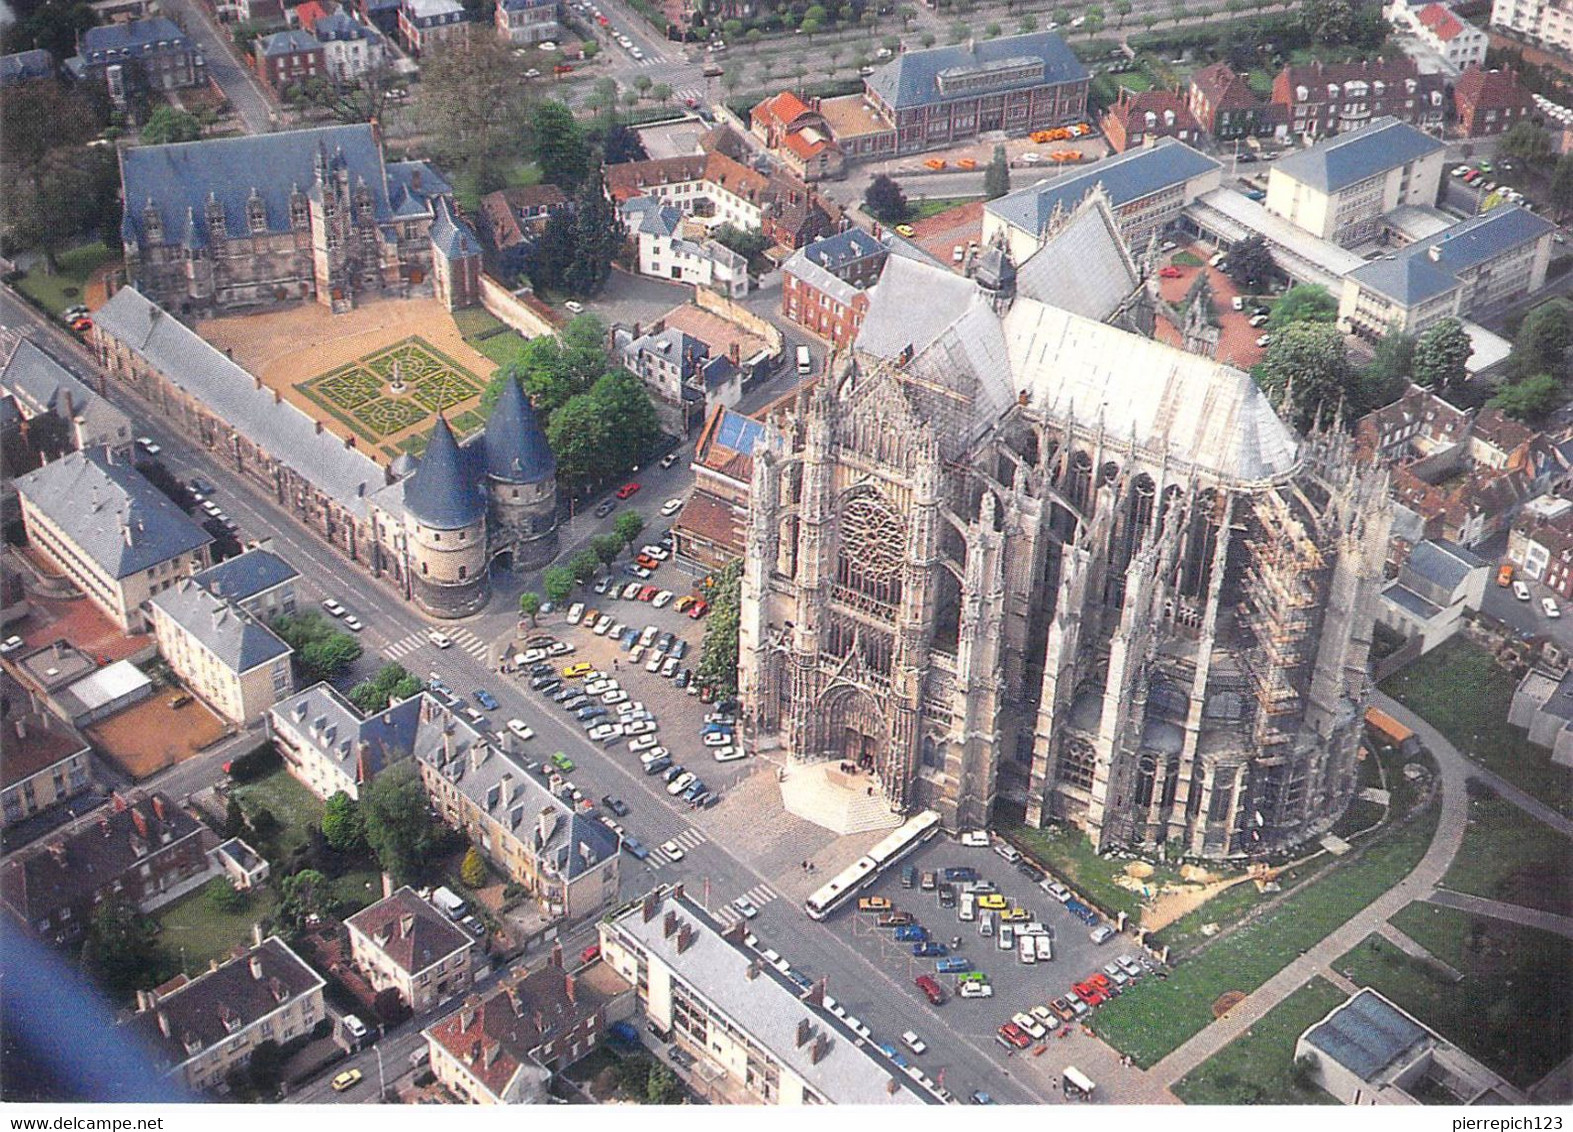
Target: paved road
{"x":239,"y":85}
{"x":1497,"y":910}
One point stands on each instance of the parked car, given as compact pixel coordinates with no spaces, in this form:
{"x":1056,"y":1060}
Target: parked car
{"x":931,"y":989}
{"x":334,"y":608}
{"x":486,"y":699}
{"x":628,"y":490}
{"x":520,"y":728}
{"x":746,"y":906}
{"x":616,"y":805}
{"x":674,"y":851}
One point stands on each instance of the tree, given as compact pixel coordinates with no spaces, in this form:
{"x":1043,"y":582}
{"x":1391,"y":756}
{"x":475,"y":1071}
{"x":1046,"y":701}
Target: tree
{"x":558,"y":146}
{"x":473,"y":869}
{"x":627,"y":527}
{"x":1561,"y":192}
{"x":1306,"y":364}
{"x":1251,"y":265}
{"x":992,"y":30}
{"x":166,"y":125}
{"x":620,"y":144}
{"x":1526,"y":141}
{"x":54,"y":25}
{"x":1542,"y":341}
{"x":308,"y":894}
{"x":585,"y":565}
{"x":746,"y":242}
{"x":363,"y":99}
{"x":321,"y":651}
{"x":122,"y":950}
{"x":661,"y":1085}
{"x":223,"y":897}
{"x":926,"y":39}
{"x":643,"y":83}
{"x":1027,"y":24}
{"x":1328,"y":21}
{"x":53,"y":187}
{"x":1387,"y":375}
{"x":473,"y":107}
{"x":265,"y":1067}
{"x":1305,"y":302}
{"x":718,"y":655}
{"x":606,"y":548}
{"x":958,"y":32}
{"x":598,"y":236}
{"x":558,"y":581}
{"x":392,"y":683}
{"x":1440,"y":356}
{"x":234,"y":820}
{"x":579,"y":435}
{"x":625,"y":404}
{"x":996,"y":178}
{"x":885,"y":201}
{"x":342,"y":824}
{"x":1532,"y":399}
{"x":393,"y":808}
{"x":530,"y":605}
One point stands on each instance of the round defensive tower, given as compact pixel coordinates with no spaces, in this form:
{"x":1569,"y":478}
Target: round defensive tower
{"x":521,"y":484}
{"x":445,"y":530}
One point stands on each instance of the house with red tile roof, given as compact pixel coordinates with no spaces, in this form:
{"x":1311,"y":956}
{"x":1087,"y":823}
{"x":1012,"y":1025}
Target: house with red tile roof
{"x":404,"y":943}
{"x":799,"y":135}
{"x":1490,"y":102}
{"x":1223,"y":104}
{"x":1437,"y":26}
{"x":1141,"y":118}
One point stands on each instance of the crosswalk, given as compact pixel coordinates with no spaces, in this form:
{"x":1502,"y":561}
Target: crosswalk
{"x":758,"y":896}
{"x":687,"y":94}
{"x":462,"y":638}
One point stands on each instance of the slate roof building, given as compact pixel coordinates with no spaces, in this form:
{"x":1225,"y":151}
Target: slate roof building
{"x":117,"y":537}
{"x":527,"y":22}
{"x":43,"y":388}
{"x":1081,"y":487}
{"x":229,"y":223}
{"x":329,"y":746}
{"x":443,"y":526}
{"x":456,"y":259}
{"x":259,"y":581}
{"x":1474,"y":266}
{"x":24,"y":66}
{"x":1321,"y":99}
{"x":404,"y":943}
{"x":228,"y":658}
{"x":288,"y":58}
{"x":150,"y":54}
{"x":424,"y":24}
{"x":46,"y":763}
{"x":1436,"y":585}
{"x":709,"y":531}
{"x":1543,"y":706}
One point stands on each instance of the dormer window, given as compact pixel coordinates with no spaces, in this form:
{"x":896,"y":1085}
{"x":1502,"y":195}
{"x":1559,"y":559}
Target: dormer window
{"x":1152,"y":119}
{"x":256,"y":216}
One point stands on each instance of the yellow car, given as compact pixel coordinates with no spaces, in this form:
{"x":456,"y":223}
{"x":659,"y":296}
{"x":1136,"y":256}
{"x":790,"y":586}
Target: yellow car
{"x":1016,"y":915}
{"x":873,"y":904}
{"x":347,"y":1079}
{"x":993,"y":902}
{"x":904,"y":230}
{"x":574,"y":671}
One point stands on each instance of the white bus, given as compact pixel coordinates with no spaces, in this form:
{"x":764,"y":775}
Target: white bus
{"x":901,"y":842}
{"x":1077,"y":1084}
{"x":805,"y":363}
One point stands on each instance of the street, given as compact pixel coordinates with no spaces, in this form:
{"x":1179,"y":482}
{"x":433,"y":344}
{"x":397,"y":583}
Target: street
{"x":237,"y":83}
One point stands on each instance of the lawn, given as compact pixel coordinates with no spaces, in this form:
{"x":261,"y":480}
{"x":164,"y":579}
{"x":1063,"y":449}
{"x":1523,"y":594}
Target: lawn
{"x":64,"y":288}
{"x":477,"y":322}
{"x":1258,"y":1066}
{"x":1510,"y":1010}
{"x":923,"y":209}
{"x":1459,"y":689}
{"x":1158,"y":1015}
{"x":192,"y":929}
{"x":1068,"y":854}
{"x":1507,"y":857}
{"x":501,"y":348}
{"x":356,"y":889}
{"x":294,"y":807}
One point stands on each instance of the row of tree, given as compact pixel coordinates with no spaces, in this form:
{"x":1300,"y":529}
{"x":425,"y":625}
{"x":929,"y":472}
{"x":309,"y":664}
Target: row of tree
{"x":559,"y":581}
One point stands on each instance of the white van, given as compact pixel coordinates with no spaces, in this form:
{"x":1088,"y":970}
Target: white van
{"x":986,"y":923}
{"x":1026,"y":949}
{"x":805,"y":361}
{"x":1007,"y":938}
{"x":1044,"y":946}
{"x":445,"y":899}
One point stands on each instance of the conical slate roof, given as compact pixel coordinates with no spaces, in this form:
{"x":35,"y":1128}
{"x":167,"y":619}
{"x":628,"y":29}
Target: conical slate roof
{"x":516,"y":448}
{"x":441,"y":493}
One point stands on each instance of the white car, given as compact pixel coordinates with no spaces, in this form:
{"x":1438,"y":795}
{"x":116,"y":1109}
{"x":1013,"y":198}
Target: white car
{"x":532,"y":656}
{"x":746,"y":906}
{"x":1550,"y":607}
{"x":631,"y":591}
{"x":441,"y":640}
{"x":673,"y":851}
{"x":650,"y":756}
{"x":913,"y":1042}
{"x":729,"y":754}
{"x":1055,"y":889}
{"x":560,"y":648}
{"x":353,"y":623}
{"x":976,"y":990}
{"x":657,"y":658}
{"x":334,"y":608}
{"x":643,"y":727}
{"x":1521,"y":591}
{"x":662,"y":599}
{"x":1265,"y":340}
{"x":718,"y":739}
{"x":603,"y":731}
{"x":671,"y":507}
{"x":1008,"y":853}
{"x":1029,"y":1026}
{"x":614,"y":697}
{"x":575,"y":612}
{"x":211,"y":508}
{"x":520,"y":728}
{"x":1114,"y":971}
{"x":640,"y":742}
{"x":1129,"y":965}
{"x":636,"y":654}
{"x":147,"y":445}
{"x":975,"y":839}
{"x":576,"y":307}
{"x":669,"y":667}
{"x":1047,"y":1017}
{"x":597,"y":685}
{"x":638,"y":571}
{"x":647,"y":638}
{"x":1102,"y":933}
{"x":603,"y":626}
{"x":659,"y":553}
{"x":681,"y":782}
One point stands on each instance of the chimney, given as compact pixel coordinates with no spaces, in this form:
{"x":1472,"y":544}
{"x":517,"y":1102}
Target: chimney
{"x":406,"y":925}
{"x":256,"y":933}
{"x":669,"y":925}
{"x":571,"y":989}
{"x":163,"y":1023}
{"x":556,"y":957}
{"x":256,"y":967}
{"x":467,"y":1012}
{"x":21,"y":729}
{"x":821,"y":1048}
{"x":735,"y":931}
{"x":816,"y":993}
{"x":387,"y":886}
{"x":257,"y":380}
{"x":685,"y":937}
{"x":891,"y":1086}
{"x":677,"y":891}
{"x":159,"y":809}
{"x":1434,"y":252}
{"x":647,"y":907}
{"x":139,"y":819}
{"x":805,"y":1030}
{"x":751,"y":972}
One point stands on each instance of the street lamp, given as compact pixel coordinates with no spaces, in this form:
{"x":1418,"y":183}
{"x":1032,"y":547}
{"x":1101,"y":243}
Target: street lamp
{"x":382,"y":1081}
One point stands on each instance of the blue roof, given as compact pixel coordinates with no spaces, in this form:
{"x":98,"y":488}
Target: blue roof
{"x":1359,"y":155}
{"x":1131,"y":176}
{"x":288,"y":42}
{"x":834,"y":252}
{"x":24,"y":65}
{"x":1443,"y":563}
{"x":914,"y":78}
{"x":180,"y":179}
{"x":234,"y":637}
{"x":246,"y":575}
{"x":111,"y":512}
{"x":1366,"y":1035}
{"x":442,"y":493}
{"x":1414,"y":274}
{"x":134,"y":36}
{"x":451,"y":237}
{"x":738,"y":432}
{"x":516,"y":448}
{"x":340,"y":25}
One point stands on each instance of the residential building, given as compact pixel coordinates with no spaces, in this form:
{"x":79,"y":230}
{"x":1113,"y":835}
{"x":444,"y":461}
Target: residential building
{"x":711,"y":188}
{"x":1139,"y":119}
{"x":1543,"y":706}
{"x":798,"y":215}
{"x":719,"y":999}
{"x":198,"y":1029}
{"x":504,"y":1048}
{"x":112,"y":533}
{"x":25,"y":66}
{"x":709,"y":531}
{"x":142,"y":852}
{"x":1490,"y":102}
{"x":258,"y":581}
{"x":152,"y":54}
{"x":941,"y":96}
{"x":404,"y":943}
{"x":1438,"y":27}
{"x":1474,"y":266}
{"x":798,"y":133}
{"x":527,"y":22}
{"x":1541,"y":545}
{"x":672,"y":247}
{"x":1223,"y":104}
{"x":231,"y":661}
{"x":329,"y":746}
{"x":684,"y":380}
{"x":1418,"y":424}
{"x":288,"y":58}
{"x":1320,"y":99}
{"x":511,"y":220}
{"x":46,"y":763}
{"x":1546,"y":23}
{"x":1340,"y":189}
{"x":1436,"y":585}
{"x":380,"y":14}
{"x":424,"y":24}
{"x":228,"y":223}
{"x":74,"y":414}
{"x":244,"y":866}
{"x":1367,"y":1051}
{"x":1147,"y":188}
{"x":350,"y":48}
{"x":823,"y":284}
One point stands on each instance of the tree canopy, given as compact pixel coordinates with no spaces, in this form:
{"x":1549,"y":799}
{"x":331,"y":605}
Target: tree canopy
{"x":885,"y":201}
{"x":559,"y":147}
{"x":1306,"y":363}
{"x":1305,"y":302}
{"x":718,"y":655}
{"x":1542,"y":340}
{"x":393,"y":809}
{"x":391,"y":684}
{"x":1251,"y":265}
{"x":166,"y":125}
{"x":1531,"y":399}
{"x":472,"y":109}
{"x":342,"y":825}
{"x":996,"y":178}
{"x":321,"y":651}
{"x":1441,"y":354}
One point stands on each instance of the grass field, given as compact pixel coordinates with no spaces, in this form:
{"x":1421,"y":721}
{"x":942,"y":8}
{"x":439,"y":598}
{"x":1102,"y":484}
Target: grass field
{"x":1070,"y":856}
{"x":193,"y":930}
{"x":500,"y":348}
{"x":1158,"y":1015}
{"x":1510,"y":1010}
{"x":923,"y":209}
{"x":1258,"y":1067}
{"x":1507,"y":857}
{"x":295,"y":808}
{"x":1460,"y":691}
{"x":64,"y":288}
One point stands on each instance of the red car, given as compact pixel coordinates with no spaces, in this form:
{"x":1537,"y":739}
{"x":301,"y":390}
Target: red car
{"x":647,"y":562}
{"x":698,"y":609}
{"x":82,"y":325}
{"x":1169,"y":273}
{"x":1011,"y":1034}
{"x":590,"y":954}
{"x":628,"y":489}
{"x":648,"y":593}
{"x":931,"y":988}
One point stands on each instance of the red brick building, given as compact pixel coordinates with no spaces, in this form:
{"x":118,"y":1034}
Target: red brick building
{"x":289,"y":58}
{"x":1490,"y":102}
{"x":1225,"y":106}
{"x":822,"y":286}
{"x":1140,"y":119}
{"x":1320,"y":99}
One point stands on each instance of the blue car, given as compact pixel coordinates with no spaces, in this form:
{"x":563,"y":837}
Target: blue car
{"x":486,"y":699}
{"x":955,"y":965}
{"x":594,"y":711}
{"x":714,"y":728}
{"x":694,"y":790}
{"x":630,"y":639}
{"x":911,"y":933}
{"x":929,"y":950}
{"x":961,"y":874}
{"x":634,"y":846}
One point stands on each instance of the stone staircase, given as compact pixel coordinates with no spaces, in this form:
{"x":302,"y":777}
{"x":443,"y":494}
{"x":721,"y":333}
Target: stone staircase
{"x":809,"y":794}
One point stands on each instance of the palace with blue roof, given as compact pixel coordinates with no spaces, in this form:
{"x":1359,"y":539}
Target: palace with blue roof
{"x":230,"y":223}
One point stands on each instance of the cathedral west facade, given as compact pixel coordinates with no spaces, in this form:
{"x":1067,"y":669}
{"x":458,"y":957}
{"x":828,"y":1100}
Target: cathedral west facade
{"x":1018,"y":549}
